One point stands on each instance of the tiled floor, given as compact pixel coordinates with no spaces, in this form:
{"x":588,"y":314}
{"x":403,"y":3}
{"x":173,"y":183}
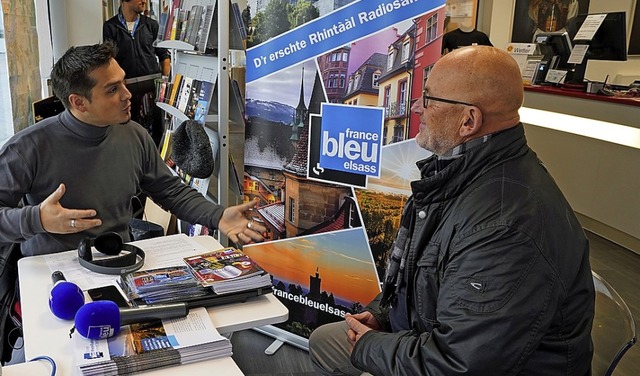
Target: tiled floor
{"x":619,"y":266}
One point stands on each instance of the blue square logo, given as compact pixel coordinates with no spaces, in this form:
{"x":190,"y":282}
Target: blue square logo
{"x":351,"y":138}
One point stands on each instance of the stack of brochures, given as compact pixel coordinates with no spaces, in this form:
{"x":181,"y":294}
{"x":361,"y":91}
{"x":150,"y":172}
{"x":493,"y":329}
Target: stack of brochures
{"x":161,"y":285}
{"x":158,"y":344}
{"x":227,"y":270}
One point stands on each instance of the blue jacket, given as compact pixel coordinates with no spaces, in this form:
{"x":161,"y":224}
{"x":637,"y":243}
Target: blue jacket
{"x":498,"y":280}
{"x":137,"y":55}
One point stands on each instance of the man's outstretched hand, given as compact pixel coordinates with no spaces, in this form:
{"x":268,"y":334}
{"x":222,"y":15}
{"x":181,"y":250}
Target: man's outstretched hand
{"x":238,"y":225}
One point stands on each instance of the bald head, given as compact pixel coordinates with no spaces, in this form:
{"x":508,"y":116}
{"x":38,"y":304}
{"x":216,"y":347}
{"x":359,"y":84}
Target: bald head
{"x":485,"y":76}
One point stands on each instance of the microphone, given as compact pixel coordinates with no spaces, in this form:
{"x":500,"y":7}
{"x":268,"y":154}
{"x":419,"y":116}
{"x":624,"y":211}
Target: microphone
{"x":65,"y":298}
{"x":103,"y":318}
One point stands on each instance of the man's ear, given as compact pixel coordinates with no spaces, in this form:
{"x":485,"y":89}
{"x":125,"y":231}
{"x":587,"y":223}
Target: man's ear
{"x":472,"y":121}
{"x":78,"y":102}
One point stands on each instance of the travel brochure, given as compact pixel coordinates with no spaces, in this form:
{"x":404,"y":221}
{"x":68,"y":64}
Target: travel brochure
{"x":161,"y":285}
{"x":223,"y":271}
{"x":151,"y":345}
{"x":227,"y":270}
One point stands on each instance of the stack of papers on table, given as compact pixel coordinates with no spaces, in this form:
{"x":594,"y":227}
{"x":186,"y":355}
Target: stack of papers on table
{"x":227,"y":270}
{"x":174,"y":283}
{"x":146,"y":346}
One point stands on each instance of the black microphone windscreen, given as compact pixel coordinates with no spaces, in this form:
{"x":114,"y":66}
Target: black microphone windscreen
{"x":191,"y":149}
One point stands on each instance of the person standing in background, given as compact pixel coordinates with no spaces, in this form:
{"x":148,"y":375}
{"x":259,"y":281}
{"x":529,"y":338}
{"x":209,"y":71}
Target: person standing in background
{"x":134,"y":34}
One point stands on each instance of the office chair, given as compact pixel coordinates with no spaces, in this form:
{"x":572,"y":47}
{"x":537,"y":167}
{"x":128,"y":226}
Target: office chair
{"x":614,"y":329}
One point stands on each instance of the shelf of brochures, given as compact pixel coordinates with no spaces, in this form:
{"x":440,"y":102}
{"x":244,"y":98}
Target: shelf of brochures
{"x":225,"y":117}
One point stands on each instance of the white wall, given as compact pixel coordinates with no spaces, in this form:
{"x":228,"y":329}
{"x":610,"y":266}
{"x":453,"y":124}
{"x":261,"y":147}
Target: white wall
{"x":45,"y":46}
{"x":84,"y":22}
{"x":73,"y":23}
{"x":501,"y":20}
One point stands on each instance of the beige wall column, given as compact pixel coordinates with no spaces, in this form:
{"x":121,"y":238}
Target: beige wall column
{"x":21,"y":38}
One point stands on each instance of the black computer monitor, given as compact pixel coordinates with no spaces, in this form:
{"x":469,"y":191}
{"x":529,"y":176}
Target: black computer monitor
{"x":555,"y":47}
{"x":610,"y":40}
{"x":608,"y":43}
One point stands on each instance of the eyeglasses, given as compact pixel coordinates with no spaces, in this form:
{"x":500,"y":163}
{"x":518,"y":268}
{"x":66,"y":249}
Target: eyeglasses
{"x":426,"y":98}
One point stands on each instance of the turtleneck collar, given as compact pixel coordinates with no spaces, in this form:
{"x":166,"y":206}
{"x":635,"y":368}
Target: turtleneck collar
{"x":82,"y":129}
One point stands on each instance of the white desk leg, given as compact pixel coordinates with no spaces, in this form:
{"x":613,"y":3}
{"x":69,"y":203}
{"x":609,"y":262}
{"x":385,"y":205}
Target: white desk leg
{"x":275,"y":345}
{"x":281,"y":336}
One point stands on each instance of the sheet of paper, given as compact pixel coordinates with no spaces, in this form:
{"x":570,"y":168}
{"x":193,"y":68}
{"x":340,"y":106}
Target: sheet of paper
{"x":529,"y":72}
{"x":67,"y":263}
{"x":578,"y":53}
{"x":194,"y":329}
{"x":169,"y":250}
{"x":90,"y":351}
{"x":589,"y":27}
{"x":556,"y":76}
{"x":160,"y":252}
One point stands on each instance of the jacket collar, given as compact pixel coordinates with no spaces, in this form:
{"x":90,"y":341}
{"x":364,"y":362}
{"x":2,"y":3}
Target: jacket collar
{"x":140,"y":20}
{"x":438,"y":185}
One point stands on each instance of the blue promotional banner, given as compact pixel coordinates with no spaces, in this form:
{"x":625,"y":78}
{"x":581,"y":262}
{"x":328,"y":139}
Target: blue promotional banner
{"x":336,"y":29}
{"x":329,"y":150}
{"x":353,"y":147}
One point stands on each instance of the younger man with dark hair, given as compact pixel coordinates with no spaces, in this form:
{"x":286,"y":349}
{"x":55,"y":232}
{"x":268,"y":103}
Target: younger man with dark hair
{"x":77,"y":172}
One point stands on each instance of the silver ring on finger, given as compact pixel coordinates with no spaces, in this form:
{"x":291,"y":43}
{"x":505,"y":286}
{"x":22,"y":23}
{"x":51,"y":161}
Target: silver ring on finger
{"x":250,"y":224}
{"x":73,"y":223}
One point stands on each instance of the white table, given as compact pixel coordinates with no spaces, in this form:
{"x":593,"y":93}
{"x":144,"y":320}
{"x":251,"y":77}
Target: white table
{"x":44,"y":334}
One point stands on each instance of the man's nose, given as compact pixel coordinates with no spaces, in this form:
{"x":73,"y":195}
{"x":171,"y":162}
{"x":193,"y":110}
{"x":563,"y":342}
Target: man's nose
{"x":127,"y":94}
{"x":416,"y":107}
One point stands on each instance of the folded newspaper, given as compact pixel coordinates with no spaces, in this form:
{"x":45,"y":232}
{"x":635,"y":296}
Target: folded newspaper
{"x":158,"y":344}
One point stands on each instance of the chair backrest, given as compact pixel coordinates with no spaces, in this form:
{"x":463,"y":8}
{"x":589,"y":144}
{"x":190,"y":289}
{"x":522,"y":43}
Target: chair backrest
{"x":614,"y":329}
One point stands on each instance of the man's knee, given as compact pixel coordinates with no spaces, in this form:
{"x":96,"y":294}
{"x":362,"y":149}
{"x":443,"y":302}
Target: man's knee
{"x":330,"y":350}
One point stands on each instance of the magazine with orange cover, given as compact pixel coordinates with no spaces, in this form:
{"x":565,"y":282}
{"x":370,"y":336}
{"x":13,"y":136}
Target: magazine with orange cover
{"x":223,"y":265}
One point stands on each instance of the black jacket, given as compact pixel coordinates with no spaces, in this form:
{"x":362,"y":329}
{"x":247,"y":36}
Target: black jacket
{"x":498,"y":273}
{"x":136,"y":55}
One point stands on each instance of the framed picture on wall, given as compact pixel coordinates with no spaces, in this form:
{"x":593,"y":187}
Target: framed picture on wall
{"x":533,"y":16}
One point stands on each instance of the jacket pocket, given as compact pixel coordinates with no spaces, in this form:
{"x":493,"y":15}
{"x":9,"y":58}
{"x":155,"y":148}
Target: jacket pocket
{"x":427,"y":285}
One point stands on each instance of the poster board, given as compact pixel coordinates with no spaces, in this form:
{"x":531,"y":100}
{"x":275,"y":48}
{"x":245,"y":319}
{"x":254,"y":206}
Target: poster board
{"x":332,"y":212}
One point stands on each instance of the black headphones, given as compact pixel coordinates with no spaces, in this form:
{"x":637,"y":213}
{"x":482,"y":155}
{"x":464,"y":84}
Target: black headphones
{"x":110,"y":244}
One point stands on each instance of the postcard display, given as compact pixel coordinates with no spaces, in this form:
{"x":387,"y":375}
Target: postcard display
{"x":329,"y":150}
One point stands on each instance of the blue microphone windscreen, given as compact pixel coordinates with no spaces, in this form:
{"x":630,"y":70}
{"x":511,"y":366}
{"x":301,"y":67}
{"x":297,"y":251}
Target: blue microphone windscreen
{"x":65,"y":299}
{"x":98,"y":320}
